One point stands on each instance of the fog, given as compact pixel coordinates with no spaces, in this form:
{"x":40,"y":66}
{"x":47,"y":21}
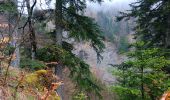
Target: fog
{"x":106,"y":4}
{"x":118,"y":5}
{"x":110,"y":4}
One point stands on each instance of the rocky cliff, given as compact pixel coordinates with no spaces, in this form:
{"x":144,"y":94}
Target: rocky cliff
{"x":101,"y":70}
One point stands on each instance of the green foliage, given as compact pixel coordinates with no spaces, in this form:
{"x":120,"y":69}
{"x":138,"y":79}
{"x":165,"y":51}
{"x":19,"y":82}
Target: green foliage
{"x":9,"y":50}
{"x":80,"y":96}
{"x":123,"y":45}
{"x":8,"y":6}
{"x":84,"y":28}
{"x":67,"y":46}
{"x":109,"y":27}
{"x":80,"y":27}
{"x":126,"y":93}
{"x":79,"y":70}
{"x":39,"y":79}
{"x":143,"y":72}
{"x":69,"y":17}
{"x":152,"y":19}
{"x":31,"y":64}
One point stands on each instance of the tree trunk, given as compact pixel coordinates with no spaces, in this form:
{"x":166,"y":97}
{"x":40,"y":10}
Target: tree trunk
{"x":168,"y":33}
{"x":13,"y":34}
{"x":16,"y":61}
{"x":17,"y":50}
{"x":142,"y":85}
{"x":58,"y":22}
{"x":31,"y":29}
{"x":59,"y":30}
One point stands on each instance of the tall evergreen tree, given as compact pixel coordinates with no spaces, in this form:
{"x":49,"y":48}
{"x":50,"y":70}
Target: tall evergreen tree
{"x":142,"y":75}
{"x":152,"y":18}
{"x":69,"y":17}
{"x":59,"y":31}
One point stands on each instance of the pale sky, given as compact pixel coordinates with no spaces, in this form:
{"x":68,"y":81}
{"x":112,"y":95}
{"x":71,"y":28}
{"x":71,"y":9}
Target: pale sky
{"x":104,"y":5}
{"x":110,"y":4}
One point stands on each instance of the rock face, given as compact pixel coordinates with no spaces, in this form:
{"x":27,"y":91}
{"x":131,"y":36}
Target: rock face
{"x":101,"y":70}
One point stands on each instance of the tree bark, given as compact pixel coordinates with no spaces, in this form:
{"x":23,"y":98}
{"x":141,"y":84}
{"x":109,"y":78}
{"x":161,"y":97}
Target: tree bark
{"x":16,"y":61}
{"x":168,"y":33}
{"x":142,"y":84}
{"x":59,"y":30}
{"x":58,"y":22}
{"x":14,"y":35}
{"x":31,"y":28}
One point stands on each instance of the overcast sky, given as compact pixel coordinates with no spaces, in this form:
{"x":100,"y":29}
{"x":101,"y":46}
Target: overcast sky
{"x":110,"y":4}
{"x":106,"y":4}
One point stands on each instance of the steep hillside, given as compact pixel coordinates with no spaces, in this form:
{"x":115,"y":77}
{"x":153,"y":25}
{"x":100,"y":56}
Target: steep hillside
{"x":113,"y":31}
{"x":110,"y":56}
{"x":117,"y":36}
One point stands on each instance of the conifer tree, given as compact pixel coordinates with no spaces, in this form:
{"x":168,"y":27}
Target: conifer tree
{"x":69,"y":17}
{"x":152,"y":19}
{"x":143,"y":77}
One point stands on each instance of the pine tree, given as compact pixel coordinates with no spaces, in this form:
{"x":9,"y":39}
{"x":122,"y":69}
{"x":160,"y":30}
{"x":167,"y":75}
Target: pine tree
{"x":69,"y":17}
{"x":143,"y":77}
{"x":59,"y":31}
{"x":152,"y":19}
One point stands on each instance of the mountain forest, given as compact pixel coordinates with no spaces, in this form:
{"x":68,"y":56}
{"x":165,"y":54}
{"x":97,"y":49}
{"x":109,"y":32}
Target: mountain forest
{"x":84,"y":49}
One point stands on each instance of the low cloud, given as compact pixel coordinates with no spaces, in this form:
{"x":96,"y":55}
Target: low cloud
{"x":110,"y":4}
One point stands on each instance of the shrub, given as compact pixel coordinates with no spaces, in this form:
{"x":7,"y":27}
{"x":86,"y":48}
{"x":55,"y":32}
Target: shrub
{"x":31,"y":64}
